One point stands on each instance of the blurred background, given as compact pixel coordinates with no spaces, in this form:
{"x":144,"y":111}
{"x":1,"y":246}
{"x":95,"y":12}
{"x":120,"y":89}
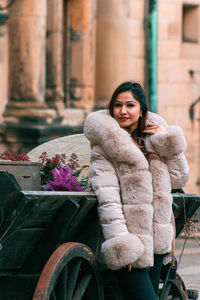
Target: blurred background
{"x":61,"y":59}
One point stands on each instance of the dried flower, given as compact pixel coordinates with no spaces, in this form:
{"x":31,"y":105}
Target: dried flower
{"x":7,"y":155}
{"x":49,"y":164}
{"x":22,"y":157}
{"x":73,"y":162}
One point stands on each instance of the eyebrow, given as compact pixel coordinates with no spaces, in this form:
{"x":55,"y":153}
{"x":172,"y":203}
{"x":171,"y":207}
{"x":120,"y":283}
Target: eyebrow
{"x":131,"y":100}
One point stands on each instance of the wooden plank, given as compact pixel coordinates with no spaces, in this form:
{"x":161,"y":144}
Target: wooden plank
{"x":25,"y":206}
{"x":8,"y":183}
{"x":17,"y":246}
{"x":86,"y":203}
{"x":88,"y":232}
{"x":52,"y":237}
{"x":13,"y":218}
{"x":72,"y":195}
{"x":10,"y":197}
{"x":44,"y":212}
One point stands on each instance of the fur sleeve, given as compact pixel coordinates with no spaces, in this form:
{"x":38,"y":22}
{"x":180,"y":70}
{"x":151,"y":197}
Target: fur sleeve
{"x":169,"y":143}
{"x":120,"y":248}
{"x":178,"y":170}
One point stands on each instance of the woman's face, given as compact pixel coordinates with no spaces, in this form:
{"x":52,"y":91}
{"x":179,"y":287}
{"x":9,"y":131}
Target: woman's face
{"x":127,"y":110}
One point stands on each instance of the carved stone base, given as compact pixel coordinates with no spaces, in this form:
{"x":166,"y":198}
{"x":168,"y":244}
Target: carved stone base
{"x":29,"y":127}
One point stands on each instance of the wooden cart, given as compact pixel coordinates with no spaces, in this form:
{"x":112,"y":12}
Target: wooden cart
{"x":49,"y":242}
{"x":37,"y":226}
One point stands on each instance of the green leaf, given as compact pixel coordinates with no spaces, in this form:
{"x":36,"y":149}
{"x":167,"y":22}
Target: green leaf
{"x":84,"y":182}
{"x":77,"y":172}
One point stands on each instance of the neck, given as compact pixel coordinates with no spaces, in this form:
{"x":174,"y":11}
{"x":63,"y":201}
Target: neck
{"x":132,"y":128}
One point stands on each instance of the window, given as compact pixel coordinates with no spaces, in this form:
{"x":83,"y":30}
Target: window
{"x":190,"y":29}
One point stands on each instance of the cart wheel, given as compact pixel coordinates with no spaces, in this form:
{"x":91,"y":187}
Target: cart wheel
{"x":175,"y":289}
{"x":70,"y":274}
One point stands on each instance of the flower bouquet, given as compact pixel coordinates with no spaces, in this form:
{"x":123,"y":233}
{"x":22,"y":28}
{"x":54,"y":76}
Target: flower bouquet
{"x":57,"y":175}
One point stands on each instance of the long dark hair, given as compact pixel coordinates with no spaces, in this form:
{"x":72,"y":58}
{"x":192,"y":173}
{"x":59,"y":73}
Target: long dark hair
{"x":139,"y":94}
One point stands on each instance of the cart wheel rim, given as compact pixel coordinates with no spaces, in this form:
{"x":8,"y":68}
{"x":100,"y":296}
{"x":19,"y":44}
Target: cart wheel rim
{"x":176,"y":289}
{"x":57,"y":264}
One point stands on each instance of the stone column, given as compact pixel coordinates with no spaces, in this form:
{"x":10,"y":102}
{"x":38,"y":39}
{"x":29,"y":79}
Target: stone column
{"x":3,"y":73}
{"x":55,"y":92}
{"x":27,"y":115}
{"x":113,"y":47}
{"x":119,"y":45}
{"x":3,"y":63}
{"x":80,"y":60}
{"x":27,"y":52}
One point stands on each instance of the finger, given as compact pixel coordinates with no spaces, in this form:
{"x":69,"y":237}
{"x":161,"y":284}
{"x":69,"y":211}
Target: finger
{"x":152,"y":125}
{"x":150,"y":131}
{"x":151,"y":128}
{"x":158,"y":127}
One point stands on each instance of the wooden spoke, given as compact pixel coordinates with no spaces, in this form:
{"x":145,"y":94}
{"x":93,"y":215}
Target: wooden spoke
{"x":166,"y":292}
{"x":73,"y":279}
{"x":53,"y":295}
{"x":82,"y":287}
{"x":61,"y":285}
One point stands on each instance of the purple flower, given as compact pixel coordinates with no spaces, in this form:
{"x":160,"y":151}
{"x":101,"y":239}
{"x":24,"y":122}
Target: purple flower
{"x":63,"y":180}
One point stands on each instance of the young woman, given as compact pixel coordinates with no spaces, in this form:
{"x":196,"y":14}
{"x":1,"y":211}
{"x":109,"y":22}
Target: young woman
{"x":136,"y":159}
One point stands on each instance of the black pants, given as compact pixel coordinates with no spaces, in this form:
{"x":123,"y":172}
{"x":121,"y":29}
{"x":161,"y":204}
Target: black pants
{"x":141,"y":284}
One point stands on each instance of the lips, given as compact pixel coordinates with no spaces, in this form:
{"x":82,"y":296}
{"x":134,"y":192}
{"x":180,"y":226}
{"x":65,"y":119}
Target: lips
{"x":123,"y":118}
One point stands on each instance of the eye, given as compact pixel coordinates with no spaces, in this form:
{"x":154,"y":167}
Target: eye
{"x":130,"y":105}
{"x":117,"y":105}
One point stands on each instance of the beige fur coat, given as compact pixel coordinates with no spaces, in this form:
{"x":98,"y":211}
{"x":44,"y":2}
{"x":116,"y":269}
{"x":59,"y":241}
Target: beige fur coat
{"x":135,"y":202}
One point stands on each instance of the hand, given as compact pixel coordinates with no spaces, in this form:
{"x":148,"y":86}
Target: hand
{"x":152,"y":128}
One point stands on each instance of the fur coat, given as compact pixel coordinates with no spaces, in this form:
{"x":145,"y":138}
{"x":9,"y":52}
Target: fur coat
{"x":134,"y":194}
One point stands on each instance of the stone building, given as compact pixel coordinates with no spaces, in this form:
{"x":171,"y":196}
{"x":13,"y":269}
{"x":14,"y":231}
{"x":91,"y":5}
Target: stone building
{"x":60,"y":59}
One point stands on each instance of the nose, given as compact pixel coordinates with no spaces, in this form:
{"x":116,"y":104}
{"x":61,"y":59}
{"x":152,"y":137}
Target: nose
{"x":123,"y":110}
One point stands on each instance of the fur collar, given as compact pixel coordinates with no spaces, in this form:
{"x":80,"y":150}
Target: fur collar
{"x":100,"y":128}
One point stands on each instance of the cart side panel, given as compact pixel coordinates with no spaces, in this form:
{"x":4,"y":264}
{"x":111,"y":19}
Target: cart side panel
{"x":17,"y":247}
{"x":17,"y":237}
{"x":62,"y":229}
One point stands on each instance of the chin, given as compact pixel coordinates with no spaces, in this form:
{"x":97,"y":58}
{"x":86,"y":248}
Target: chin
{"x":124,"y":125}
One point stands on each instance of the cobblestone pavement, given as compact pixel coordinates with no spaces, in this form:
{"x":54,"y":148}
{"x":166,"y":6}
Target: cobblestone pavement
{"x":189,"y":267}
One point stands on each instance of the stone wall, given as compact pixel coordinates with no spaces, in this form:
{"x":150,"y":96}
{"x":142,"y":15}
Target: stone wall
{"x":63,"y":58}
{"x":177,"y":88}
